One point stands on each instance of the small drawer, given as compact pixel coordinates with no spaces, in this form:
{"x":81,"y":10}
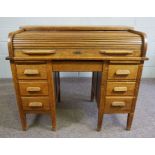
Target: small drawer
{"x":35,"y":103}
{"x":122,"y":71}
{"x":33,"y":88}
{"x":118,"y":104}
{"x":35,"y":71}
{"x":120,"y":88}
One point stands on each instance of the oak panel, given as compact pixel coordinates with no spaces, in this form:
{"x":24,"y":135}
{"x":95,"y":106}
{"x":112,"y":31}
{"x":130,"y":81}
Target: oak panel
{"x":82,"y":66}
{"x":124,"y":71}
{"x":120,"y":88}
{"x":31,"y":71}
{"x":122,"y":108}
{"x":27,"y":101}
{"x":32,"y":88}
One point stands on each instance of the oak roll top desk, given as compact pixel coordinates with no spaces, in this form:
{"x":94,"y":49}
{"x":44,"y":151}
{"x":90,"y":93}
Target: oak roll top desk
{"x":115,"y":55}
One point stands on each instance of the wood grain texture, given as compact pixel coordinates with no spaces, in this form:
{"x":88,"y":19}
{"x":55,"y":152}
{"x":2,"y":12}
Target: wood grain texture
{"x":33,"y":88}
{"x":31,"y":71}
{"x":115,"y":55}
{"x":35,"y":103}
{"x":124,"y":71}
{"x":110,"y":108}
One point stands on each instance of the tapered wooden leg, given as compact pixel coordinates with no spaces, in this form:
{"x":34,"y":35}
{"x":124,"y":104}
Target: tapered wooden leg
{"x":101,"y":85}
{"x":52,"y":96}
{"x":59,"y":93}
{"x":100,"y":120}
{"x":129,"y":121}
{"x":92,"y":87}
{"x":53,"y":118}
{"x":100,"y":109}
{"x":53,"y":104}
{"x":23,"y":121}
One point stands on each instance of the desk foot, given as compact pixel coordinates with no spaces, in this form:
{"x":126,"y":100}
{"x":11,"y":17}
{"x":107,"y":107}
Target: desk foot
{"x":23,"y":121}
{"x":129,"y":121}
{"x":53,"y":128}
{"x":24,"y":129}
{"x":98,"y":129}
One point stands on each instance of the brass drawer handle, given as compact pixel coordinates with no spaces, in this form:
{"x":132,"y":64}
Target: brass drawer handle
{"x":122,"y":72}
{"x":31,"y":72}
{"x":35,"y":104}
{"x":121,"y":52}
{"x":120,"y":89}
{"x":39,"y":52}
{"x":118,"y":104}
{"x":33,"y":89}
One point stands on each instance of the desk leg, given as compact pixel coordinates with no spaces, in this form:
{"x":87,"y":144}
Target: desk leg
{"x":59,"y":94}
{"x":52,"y":95}
{"x":102,"y":93}
{"x":129,"y":121}
{"x":22,"y":114}
{"x":92,"y":86}
{"x":100,"y":111}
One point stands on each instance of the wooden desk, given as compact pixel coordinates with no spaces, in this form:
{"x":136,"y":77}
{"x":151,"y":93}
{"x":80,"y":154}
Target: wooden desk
{"x":115,"y":55}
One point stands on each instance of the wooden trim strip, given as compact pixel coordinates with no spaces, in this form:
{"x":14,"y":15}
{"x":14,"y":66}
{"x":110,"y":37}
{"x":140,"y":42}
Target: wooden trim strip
{"x":77,"y":28}
{"x":87,"y":59}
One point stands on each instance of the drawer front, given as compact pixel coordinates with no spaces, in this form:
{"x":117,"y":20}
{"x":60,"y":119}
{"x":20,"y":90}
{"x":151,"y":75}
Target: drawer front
{"x":35,"y":103}
{"x":33,"y":88}
{"x":118,"y":104}
{"x":33,"y":71}
{"x":75,"y":66}
{"x":120,"y":88}
{"x":75,"y":53}
{"x":122,"y":71}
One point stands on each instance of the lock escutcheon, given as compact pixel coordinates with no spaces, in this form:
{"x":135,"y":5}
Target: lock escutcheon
{"x":77,"y":52}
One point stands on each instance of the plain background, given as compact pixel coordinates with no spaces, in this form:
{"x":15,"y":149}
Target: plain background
{"x":80,"y":8}
{"x":144,"y":24}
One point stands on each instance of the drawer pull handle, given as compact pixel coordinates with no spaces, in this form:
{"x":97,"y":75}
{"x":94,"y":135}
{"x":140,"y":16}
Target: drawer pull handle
{"x":31,"y":72}
{"x":35,"y":104}
{"x":39,"y":52}
{"x":120,"y":89}
{"x":118,"y":104}
{"x":122,"y":72}
{"x":33,"y":89}
{"x":121,"y":52}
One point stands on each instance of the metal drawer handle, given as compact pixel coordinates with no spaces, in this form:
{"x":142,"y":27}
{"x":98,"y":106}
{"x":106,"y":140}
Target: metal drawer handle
{"x":118,"y":104}
{"x":33,"y":89}
{"x":122,"y":72}
{"x":120,"y":89}
{"x":39,"y":52}
{"x":35,"y":104}
{"x":31,"y":72}
{"x":121,"y":52}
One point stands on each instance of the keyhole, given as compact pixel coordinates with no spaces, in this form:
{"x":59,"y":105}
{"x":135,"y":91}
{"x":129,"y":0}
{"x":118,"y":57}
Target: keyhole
{"x":77,"y":52}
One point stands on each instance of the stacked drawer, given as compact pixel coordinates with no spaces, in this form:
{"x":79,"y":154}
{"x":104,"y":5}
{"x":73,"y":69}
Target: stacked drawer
{"x":33,"y":86}
{"x":120,"y":89}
